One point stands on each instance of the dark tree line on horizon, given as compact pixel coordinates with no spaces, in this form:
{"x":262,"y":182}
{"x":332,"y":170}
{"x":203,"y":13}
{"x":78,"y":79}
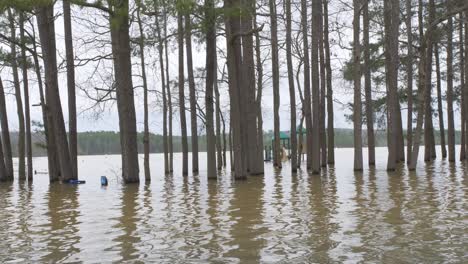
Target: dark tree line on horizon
{"x":402,"y":54}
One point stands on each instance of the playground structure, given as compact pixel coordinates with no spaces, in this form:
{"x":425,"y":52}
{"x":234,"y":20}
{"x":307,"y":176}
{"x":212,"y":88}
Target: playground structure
{"x":285,"y":143}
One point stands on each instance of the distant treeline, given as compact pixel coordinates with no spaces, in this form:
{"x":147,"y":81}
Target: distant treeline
{"x":108,"y":142}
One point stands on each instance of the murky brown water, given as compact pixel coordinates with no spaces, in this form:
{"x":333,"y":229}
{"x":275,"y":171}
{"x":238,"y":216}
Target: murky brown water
{"x":339,"y":216}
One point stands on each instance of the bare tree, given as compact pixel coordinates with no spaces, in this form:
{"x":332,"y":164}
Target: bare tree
{"x":368,"y":85}
{"x":292,"y":93}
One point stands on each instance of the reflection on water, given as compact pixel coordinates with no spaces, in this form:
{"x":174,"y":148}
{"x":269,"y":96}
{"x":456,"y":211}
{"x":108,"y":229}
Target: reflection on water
{"x":338,"y":216}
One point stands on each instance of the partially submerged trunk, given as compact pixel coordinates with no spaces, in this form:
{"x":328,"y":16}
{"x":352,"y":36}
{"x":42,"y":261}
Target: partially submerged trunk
{"x":450,"y":115}
{"x":439,"y":101}
{"x":183,"y":120}
{"x":52,"y":159}
{"x":210,"y":80}
{"x":192,"y":93}
{"x":307,"y":100}
{"x":409,"y":82}
{"x":19,"y":100}
{"x":72,"y":124}
{"x":292,"y":93}
{"x":367,"y":87}
{"x":330,"y":114}
{"x":47,"y":37}
{"x":119,"y":24}
{"x":146,"y":142}
{"x":163,"y":88}
{"x":316,"y":16}
{"x":6,"y":146}
{"x":275,"y":79}
{"x":323,"y":136}
{"x":357,"y":88}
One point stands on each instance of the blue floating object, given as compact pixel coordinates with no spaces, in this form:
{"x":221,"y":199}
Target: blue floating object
{"x":104,"y":181}
{"x":76,"y":182}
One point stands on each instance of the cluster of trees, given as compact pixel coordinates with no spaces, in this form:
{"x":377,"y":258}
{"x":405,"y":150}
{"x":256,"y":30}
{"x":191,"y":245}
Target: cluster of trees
{"x":397,"y":47}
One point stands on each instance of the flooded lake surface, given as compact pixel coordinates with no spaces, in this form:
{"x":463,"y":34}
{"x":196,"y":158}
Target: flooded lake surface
{"x":336,"y":217}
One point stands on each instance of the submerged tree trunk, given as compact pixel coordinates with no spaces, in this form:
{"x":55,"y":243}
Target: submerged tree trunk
{"x":259,"y":69}
{"x":357,"y":88}
{"x":234,"y":63}
{"x":146,"y":141}
{"x":52,"y":159}
{"x":168,"y":89}
{"x":183,"y":121}
{"x":323,"y":136}
{"x":6,"y":146}
{"x":219,"y":136}
{"x":275,"y":80}
{"x":27,"y":111}
{"x":391,"y":19}
{"x":425,"y":66}
{"x":330,"y":122}
{"x":72,"y":124}
{"x":163,"y":88}
{"x":210,"y":16}
{"x":466,"y":78}
{"x":119,"y":24}
{"x":409,"y":83}
{"x":19,"y":100}
{"x":367,"y":87}
{"x":292,"y":92}
{"x":307,"y":107}
{"x":3,"y":171}
{"x":463,"y":90}
{"x":439,"y":102}
{"x":316,"y":16}
{"x":47,"y":37}
{"x":192,"y":93}
{"x":450,"y":116}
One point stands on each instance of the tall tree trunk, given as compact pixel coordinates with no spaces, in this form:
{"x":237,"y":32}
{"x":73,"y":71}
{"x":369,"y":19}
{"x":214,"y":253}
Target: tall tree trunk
{"x":19,"y":100}
{"x":47,"y":37}
{"x":259,"y":69}
{"x":409,"y":84}
{"x":163,"y":88}
{"x":3,"y":170}
{"x":192,"y":93}
{"x":462,"y":89}
{"x":439,"y":102}
{"x":224,"y":140}
{"x":465,"y":90}
{"x":119,"y":24}
{"x":254,"y":166}
{"x":391,"y":19}
{"x":307,"y":100}
{"x":6,"y":146}
{"x":72,"y":124}
{"x":146,"y":140}
{"x":425,"y":70}
{"x":367,"y":87}
{"x":275,"y":80}
{"x":357,"y":88}
{"x":323,"y":135}
{"x":219,"y":136}
{"x":330,"y":114}
{"x":292,"y":92}
{"x":450,"y":116}
{"x":234,"y":63}
{"x":183,"y":121}
{"x":210,"y":17}
{"x":52,"y":159}
{"x":168,"y":89}
{"x":27,"y":111}
{"x":315,"y":77}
